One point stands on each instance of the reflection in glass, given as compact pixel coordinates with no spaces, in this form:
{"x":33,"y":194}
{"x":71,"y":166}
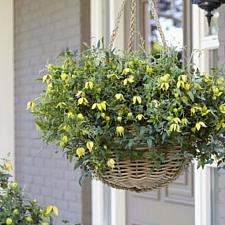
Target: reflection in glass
{"x":171,"y":19}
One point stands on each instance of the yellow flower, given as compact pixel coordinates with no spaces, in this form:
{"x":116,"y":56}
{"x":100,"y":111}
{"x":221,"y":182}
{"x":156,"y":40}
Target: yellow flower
{"x":70,"y":115}
{"x":89,"y":85}
{"x":80,"y":152}
{"x":149,"y":70}
{"x":221,"y":81}
{"x":46,"y":78}
{"x":199,"y":125}
{"x":174,"y":127}
{"x":164,"y":86}
{"x":50,"y":209}
{"x":111,"y":163}
{"x":127,"y":71}
{"x":63,"y":141}
{"x":184,"y":121}
{"x":80,"y":116}
{"x":130,"y":79}
{"x":130,"y":115}
{"x":9,"y":221}
{"x":220,"y":125}
{"x":140,"y":117}
{"x":137,"y":99}
{"x":165,"y":78}
{"x":107,"y":119}
{"x":222,"y":108}
{"x":119,"y":97}
{"x":205,"y":111}
{"x":82,"y":101}
{"x":176,"y":120}
{"x":31,"y":105}
{"x":64,"y":77}
{"x":183,"y":78}
{"x":90,"y":145}
{"x":119,"y":119}
{"x":7,"y":166}
{"x":101,"y":106}
{"x":155,"y":103}
{"x":79,"y":93}
{"x":120,"y":131}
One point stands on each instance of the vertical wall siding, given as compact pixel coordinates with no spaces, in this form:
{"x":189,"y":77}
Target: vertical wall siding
{"x":42,"y":30}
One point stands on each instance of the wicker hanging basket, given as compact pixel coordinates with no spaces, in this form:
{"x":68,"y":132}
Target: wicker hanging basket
{"x":144,"y":175}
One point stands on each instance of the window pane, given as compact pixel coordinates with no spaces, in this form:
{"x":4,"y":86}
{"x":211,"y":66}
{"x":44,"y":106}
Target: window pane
{"x":213,"y":29}
{"x":171,"y":19}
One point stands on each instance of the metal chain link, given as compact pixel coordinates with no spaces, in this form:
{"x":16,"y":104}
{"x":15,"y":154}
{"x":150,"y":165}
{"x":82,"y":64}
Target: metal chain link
{"x":117,"y":23}
{"x":132,"y":25}
{"x":152,"y":4}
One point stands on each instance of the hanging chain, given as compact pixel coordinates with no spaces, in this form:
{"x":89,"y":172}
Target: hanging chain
{"x":152,"y":4}
{"x":132,"y":25}
{"x":117,"y":23}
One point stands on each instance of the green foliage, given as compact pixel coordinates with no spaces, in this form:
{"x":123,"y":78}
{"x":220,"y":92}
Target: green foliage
{"x":15,"y":208}
{"x":102,"y":103}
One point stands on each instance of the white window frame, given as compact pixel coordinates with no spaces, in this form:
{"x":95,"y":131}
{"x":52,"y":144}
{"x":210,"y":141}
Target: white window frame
{"x":203,"y":198}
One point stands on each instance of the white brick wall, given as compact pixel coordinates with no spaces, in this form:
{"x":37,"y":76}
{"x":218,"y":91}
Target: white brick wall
{"x":42,"y":30}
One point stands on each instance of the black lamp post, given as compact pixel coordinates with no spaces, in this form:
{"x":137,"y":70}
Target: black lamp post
{"x":208,"y":6}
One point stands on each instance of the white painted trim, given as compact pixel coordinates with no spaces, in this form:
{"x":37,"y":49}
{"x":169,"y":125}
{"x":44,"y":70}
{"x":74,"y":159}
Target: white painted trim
{"x":7,"y":79}
{"x":97,"y":203}
{"x":118,"y":207}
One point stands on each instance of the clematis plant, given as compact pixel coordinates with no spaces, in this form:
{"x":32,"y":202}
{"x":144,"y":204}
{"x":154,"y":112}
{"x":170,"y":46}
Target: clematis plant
{"x":100,"y":105}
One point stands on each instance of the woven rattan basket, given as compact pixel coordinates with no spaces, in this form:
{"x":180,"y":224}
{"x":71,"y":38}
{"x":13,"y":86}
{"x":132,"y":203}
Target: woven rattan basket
{"x":143,"y":175}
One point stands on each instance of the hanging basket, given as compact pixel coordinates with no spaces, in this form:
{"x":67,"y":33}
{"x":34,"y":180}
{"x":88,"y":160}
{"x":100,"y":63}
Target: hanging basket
{"x":144,"y":175}
{"x":105,"y":109}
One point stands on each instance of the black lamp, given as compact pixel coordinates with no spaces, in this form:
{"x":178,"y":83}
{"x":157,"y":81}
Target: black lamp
{"x":208,"y":6}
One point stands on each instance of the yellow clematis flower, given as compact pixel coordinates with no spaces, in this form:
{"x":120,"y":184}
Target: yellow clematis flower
{"x":31,"y":105}
{"x":50,"y":209}
{"x":130,"y":115}
{"x":174,"y":127}
{"x":90,"y":145}
{"x":111,"y":163}
{"x":107,"y":119}
{"x":80,"y":152}
{"x":140,"y":117}
{"x":222,"y":108}
{"x":165,"y":78}
{"x":82,"y":101}
{"x":89,"y":85}
{"x":164,"y":86}
{"x":200,"y":124}
{"x":120,"y":131}
{"x":46,"y":79}
{"x":149,"y":70}
{"x":64,"y":76}
{"x":7,"y":166}
{"x":80,"y":116}
{"x":137,"y":99}
{"x":70,"y":115}
{"x":127,"y":71}
{"x":184,"y":121}
{"x":119,"y":97}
